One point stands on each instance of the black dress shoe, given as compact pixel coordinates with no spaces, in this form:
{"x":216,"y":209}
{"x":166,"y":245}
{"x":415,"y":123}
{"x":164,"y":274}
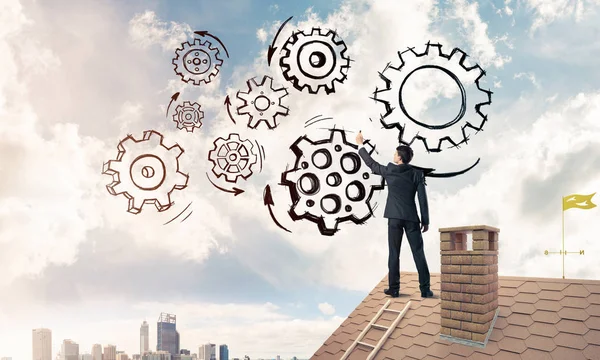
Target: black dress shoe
{"x":392,"y":293}
{"x":426,"y":293}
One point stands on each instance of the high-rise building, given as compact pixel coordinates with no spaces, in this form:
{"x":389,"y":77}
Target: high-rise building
{"x":167,"y":337}
{"x":207,"y":352}
{"x":96,"y":352}
{"x":144,"y":338}
{"x":278,"y":357}
{"x":136,"y":357}
{"x":86,"y":357}
{"x":122,"y":356}
{"x":223,"y":353}
{"x":69,"y":350}
{"x":42,"y":344}
{"x":110,"y":352}
{"x":184,"y":352}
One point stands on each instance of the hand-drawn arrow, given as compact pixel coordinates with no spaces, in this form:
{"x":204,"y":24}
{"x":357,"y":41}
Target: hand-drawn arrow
{"x":235,"y":190}
{"x":268,"y":201}
{"x":206,"y":33}
{"x":173,"y":98}
{"x":227,"y":103}
{"x":430,"y":172}
{"x":272,"y":47}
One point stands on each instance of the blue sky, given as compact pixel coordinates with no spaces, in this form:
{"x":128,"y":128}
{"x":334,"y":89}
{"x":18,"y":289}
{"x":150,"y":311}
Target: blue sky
{"x":76,"y":83}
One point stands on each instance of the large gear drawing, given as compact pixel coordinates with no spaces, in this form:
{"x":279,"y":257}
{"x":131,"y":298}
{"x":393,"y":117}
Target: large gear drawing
{"x":198,"y":62}
{"x":467,"y":80}
{"x":232,"y":157}
{"x":146,"y":172}
{"x":262,"y":103}
{"x":188,"y":116}
{"x":314,"y":61}
{"x":311,"y":182}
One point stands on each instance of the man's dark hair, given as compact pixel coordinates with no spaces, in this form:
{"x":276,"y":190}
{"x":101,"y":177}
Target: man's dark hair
{"x":405,"y":153}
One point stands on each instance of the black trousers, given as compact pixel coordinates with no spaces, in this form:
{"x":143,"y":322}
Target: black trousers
{"x":396,"y":228}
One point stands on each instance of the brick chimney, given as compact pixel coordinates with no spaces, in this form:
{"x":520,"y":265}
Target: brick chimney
{"x":469,"y":296}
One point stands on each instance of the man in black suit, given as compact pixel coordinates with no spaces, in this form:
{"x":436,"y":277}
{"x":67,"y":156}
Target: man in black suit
{"x":403,"y":182}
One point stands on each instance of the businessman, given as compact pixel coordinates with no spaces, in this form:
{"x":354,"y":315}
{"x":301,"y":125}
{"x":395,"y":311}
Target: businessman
{"x":403,"y":182}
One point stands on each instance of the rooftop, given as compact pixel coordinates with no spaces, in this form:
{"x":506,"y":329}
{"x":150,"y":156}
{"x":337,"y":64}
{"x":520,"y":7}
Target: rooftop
{"x":538,"y":318}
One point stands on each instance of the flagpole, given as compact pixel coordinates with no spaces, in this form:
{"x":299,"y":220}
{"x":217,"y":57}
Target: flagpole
{"x":563,"y":238}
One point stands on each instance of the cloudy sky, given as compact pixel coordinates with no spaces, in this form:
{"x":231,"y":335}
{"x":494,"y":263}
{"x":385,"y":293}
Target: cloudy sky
{"x":78,"y":76}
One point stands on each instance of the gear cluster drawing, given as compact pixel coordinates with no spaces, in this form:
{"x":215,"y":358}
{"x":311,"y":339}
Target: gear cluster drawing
{"x":323,"y":170}
{"x":233,"y":157}
{"x":145,"y":171}
{"x":314,"y":61}
{"x":197,"y":62}
{"x":262,"y":103}
{"x":469,"y":120}
{"x":188,"y":116}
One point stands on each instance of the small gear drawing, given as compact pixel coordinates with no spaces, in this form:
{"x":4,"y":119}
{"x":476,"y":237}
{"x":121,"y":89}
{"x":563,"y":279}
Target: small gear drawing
{"x":467,"y":79}
{"x":314,"y":61}
{"x":262,"y":103}
{"x":188,"y":116}
{"x":312,"y":183}
{"x":198,"y":62}
{"x":146,"y":172}
{"x":232,"y":157}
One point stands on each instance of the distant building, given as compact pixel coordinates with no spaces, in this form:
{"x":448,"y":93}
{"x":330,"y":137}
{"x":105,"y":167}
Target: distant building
{"x":207,"y":352}
{"x":278,"y":358}
{"x":122,"y":356}
{"x":110,"y":352}
{"x":86,"y":357}
{"x":69,"y":350}
{"x":184,"y":352}
{"x":223,"y":353}
{"x":167,"y":337}
{"x":144,"y":338}
{"x":6,"y":358}
{"x":136,"y":357}
{"x":159,"y":355}
{"x":42,"y":344}
{"x":96,"y":352}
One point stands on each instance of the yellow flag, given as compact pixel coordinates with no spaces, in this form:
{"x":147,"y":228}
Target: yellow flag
{"x":578,"y":202}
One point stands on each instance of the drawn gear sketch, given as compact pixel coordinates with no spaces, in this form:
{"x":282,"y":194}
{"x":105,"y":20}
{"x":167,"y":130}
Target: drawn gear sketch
{"x":188,"y":116}
{"x":262,"y":103}
{"x":198,"y":62}
{"x":314,"y":61}
{"x":469,"y":120}
{"x":146,"y":172}
{"x":324,"y":184}
{"x":232,"y":157}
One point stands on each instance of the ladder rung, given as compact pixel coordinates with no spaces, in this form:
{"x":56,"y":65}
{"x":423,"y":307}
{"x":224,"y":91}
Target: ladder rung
{"x":365,"y":344}
{"x":381,"y":327}
{"x":392,"y":310}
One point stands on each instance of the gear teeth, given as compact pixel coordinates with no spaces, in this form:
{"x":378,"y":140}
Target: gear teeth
{"x":455,"y":64}
{"x":131,"y":150}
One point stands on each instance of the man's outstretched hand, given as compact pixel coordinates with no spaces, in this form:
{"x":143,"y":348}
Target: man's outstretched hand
{"x":424,"y":228}
{"x":359,"y":138}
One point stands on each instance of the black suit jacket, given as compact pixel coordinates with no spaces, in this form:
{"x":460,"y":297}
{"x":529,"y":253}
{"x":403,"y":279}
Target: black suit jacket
{"x":403,"y":183}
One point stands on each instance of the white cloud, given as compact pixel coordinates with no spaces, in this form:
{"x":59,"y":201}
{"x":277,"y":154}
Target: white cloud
{"x":529,"y":76}
{"x":261,"y":35}
{"x":548,"y":11}
{"x":146,"y":29}
{"x":476,"y":33}
{"x":327,"y":308}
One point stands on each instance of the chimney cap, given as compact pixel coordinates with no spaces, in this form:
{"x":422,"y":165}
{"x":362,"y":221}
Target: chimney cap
{"x":469,"y":228}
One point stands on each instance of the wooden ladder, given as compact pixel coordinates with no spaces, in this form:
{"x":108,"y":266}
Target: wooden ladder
{"x":372,"y":324}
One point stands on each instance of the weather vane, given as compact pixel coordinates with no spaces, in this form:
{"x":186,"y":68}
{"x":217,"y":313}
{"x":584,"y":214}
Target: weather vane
{"x":574,"y":201}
